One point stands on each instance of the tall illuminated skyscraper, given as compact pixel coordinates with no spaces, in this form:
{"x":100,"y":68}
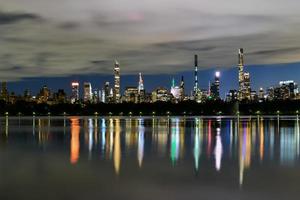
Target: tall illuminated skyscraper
{"x":241,"y":73}
{"x":87,"y":88}
{"x":117,"y":94}
{"x":141,"y":83}
{"x":106,"y":92}
{"x":141,"y":89}
{"x":247,"y":87}
{"x":215,"y":87}
{"x":244,"y":79}
{"x":75,"y":92}
{"x":196,"y":75}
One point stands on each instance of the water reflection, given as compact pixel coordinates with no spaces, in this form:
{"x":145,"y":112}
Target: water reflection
{"x":244,"y":149}
{"x":218,"y":150}
{"x":117,"y":147}
{"x":141,"y":142}
{"x":198,"y":142}
{"x":175,"y":139}
{"x":239,"y":143}
{"x":75,"y":143}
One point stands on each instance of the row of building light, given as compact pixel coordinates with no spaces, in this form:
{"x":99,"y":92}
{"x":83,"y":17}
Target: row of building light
{"x":285,"y":90}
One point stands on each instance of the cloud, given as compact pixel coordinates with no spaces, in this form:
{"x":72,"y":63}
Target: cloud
{"x":276,"y":51}
{"x":62,"y":38}
{"x":9,"y":18}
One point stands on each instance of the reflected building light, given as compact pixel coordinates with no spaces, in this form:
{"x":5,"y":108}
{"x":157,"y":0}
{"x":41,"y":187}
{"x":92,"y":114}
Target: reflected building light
{"x":96,"y":137}
{"x":39,"y":130}
{"x":297,"y":137}
{"x":209,"y":139}
{"x":236,"y":134}
{"x":49,"y":122}
{"x":241,"y":175}
{"x":117,"y":148}
{"x":218,"y":150}
{"x":131,"y":134}
{"x":181,"y":124}
{"x":111,"y":137}
{"x":75,"y":142}
{"x":288,"y":146}
{"x":272,"y":139}
{"x":245,"y":150}
{"x":43,"y":131}
{"x":128,"y":129}
{"x":33,"y":125}
{"x":65,"y":125}
{"x":91,"y":138}
{"x":6,"y":126}
{"x":154,"y":134}
{"x":197,"y":142}
{"x":64,"y":121}
{"x":253,"y":135}
{"x":162,"y":136}
{"x":103,"y":134}
{"x":141,"y":142}
{"x":96,"y":122}
{"x":231,"y":137}
{"x":175,"y":140}
{"x":261,"y":140}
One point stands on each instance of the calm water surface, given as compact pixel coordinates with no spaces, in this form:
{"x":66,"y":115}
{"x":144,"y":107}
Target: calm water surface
{"x":149,"y":158}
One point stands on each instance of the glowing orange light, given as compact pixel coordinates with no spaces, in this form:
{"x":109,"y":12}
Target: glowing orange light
{"x":75,"y":144}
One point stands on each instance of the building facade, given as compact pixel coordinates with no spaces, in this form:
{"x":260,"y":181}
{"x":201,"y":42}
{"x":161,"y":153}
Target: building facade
{"x":75,"y":92}
{"x":87,"y":92}
{"x":244,"y":92}
{"x":116,"y":93}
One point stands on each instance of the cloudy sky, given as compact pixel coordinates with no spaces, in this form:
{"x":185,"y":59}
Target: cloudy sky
{"x":52,"y":38}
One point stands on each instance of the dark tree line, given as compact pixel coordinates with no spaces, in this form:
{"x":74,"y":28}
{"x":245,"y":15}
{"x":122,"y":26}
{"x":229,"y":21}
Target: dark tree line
{"x":288,"y":107}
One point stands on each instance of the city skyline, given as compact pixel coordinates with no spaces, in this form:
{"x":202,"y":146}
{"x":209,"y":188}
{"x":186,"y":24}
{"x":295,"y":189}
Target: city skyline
{"x":152,"y":81}
{"x":83,"y":38}
{"x":177,"y":92}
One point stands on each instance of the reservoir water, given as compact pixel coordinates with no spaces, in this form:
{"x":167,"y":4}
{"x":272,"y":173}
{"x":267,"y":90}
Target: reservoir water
{"x":149,"y":158}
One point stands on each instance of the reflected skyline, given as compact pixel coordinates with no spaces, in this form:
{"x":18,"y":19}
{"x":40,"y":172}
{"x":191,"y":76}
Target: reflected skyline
{"x":210,"y":142}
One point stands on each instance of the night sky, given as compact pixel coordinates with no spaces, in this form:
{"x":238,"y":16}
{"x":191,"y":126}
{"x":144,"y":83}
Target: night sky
{"x":261,"y":76}
{"x":45,"y":42}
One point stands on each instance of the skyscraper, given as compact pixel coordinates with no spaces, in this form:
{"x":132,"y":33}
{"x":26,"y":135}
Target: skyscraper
{"x":196,"y":75}
{"x":215,"y":87}
{"x":291,"y":90}
{"x":141,"y":83}
{"x":247,"y":86}
{"x":261,"y":95}
{"x":244,"y":79}
{"x":141,"y":89}
{"x":75,"y":92}
{"x":131,"y":94}
{"x":87,"y":88}
{"x":116,"y":93}
{"x":182,"y":95}
{"x":44,"y":94}
{"x":241,"y":72}
{"x":175,"y":91}
{"x":106,"y":92}
{"x":4,"y":92}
